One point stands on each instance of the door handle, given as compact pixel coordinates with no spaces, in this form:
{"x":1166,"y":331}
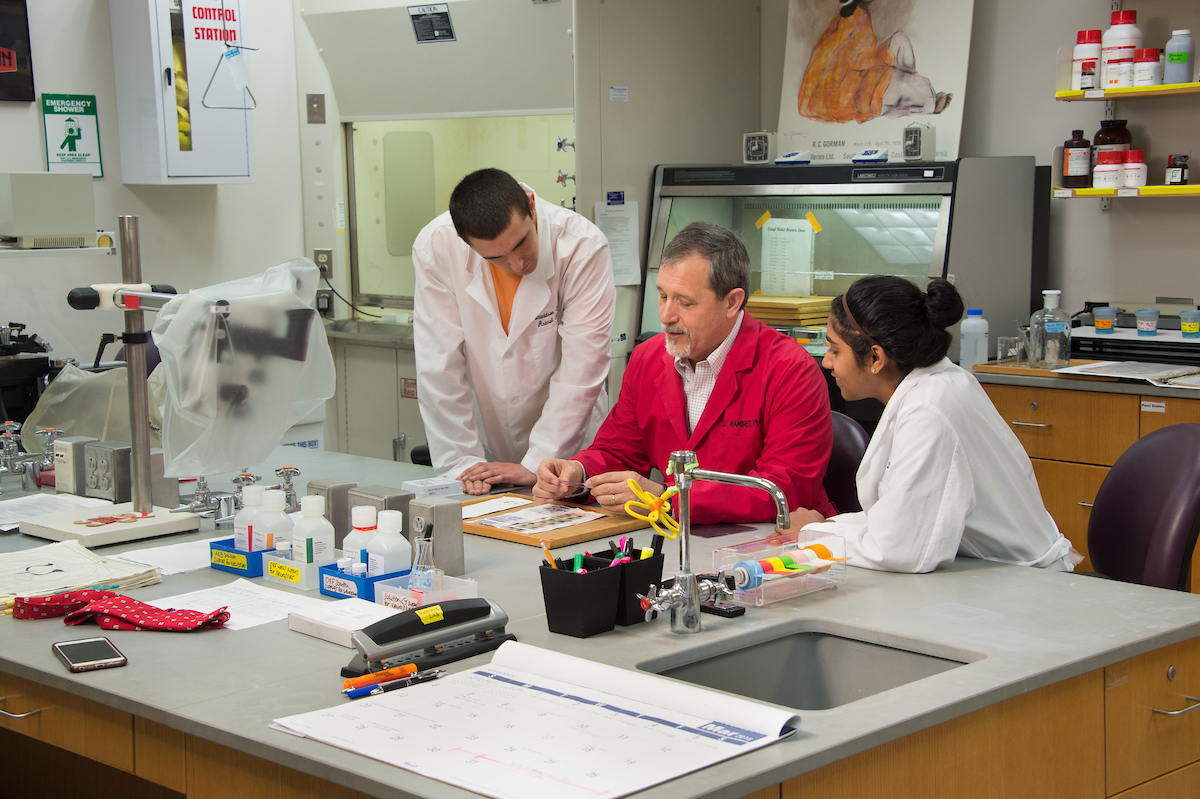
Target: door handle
{"x":1195,"y":700}
{"x":167,"y":75}
{"x":1028,"y":424}
{"x":17,"y":716}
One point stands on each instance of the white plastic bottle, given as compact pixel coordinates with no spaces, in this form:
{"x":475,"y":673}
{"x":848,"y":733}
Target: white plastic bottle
{"x":389,"y":551}
{"x":973,"y":339}
{"x":1118,"y":45}
{"x":1085,"y":61}
{"x":362,"y":530}
{"x":243,"y":522}
{"x":312,"y":538}
{"x":1181,"y":58}
{"x":271,"y":525}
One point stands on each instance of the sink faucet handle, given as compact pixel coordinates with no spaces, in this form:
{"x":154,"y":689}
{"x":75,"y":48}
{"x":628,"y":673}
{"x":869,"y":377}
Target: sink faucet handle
{"x":10,"y":427}
{"x":287,"y":473}
{"x":647,"y":601}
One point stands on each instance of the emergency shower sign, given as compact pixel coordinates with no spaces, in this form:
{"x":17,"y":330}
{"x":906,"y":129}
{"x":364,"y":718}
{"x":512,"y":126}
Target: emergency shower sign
{"x":72,"y":134}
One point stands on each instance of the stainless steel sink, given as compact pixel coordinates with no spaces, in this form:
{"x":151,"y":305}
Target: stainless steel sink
{"x":812,"y":669}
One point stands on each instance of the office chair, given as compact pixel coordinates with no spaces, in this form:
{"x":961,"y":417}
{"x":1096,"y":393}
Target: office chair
{"x":849,"y":443}
{"x":1147,"y":512}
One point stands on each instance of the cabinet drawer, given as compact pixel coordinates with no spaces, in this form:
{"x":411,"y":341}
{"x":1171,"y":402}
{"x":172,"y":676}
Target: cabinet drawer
{"x":70,"y":722}
{"x":1141,"y":744}
{"x":1068,"y":491}
{"x":1177,"y":785}
{"x":1065,"y":425}
{"x":1159,"y":412}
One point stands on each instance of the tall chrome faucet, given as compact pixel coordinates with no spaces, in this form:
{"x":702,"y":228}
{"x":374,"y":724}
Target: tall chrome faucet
{"x":683,"y":598}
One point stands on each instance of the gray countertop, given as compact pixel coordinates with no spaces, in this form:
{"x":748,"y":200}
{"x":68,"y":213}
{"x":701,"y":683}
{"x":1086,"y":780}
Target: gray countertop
{"x":1075,"y":384}
{"x":1019,"y":628}
{"x":386,"y":333}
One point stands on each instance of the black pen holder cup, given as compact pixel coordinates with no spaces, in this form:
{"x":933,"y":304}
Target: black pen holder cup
{"x":580,"y":604}
{"x":636,"y":578}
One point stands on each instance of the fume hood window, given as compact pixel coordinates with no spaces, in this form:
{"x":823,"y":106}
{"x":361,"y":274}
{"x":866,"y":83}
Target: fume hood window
{"x":857,"y":235}
{"x":403,"y":172}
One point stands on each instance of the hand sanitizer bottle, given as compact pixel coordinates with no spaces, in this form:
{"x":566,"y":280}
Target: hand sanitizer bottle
{"x":1050,"y":334}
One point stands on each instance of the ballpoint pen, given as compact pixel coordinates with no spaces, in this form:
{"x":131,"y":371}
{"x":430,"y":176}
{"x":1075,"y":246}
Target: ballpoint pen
{"x":383,"y":688}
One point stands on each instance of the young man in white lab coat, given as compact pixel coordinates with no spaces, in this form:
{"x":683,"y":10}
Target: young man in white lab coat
{"x":512,"y":321}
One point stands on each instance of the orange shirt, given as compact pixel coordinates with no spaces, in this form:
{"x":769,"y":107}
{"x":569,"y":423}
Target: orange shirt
{"x":505,"y":283}
{"x":848,"y":72}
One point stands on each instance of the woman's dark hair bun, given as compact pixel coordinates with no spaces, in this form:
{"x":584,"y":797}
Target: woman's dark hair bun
{"x":943,"y":303}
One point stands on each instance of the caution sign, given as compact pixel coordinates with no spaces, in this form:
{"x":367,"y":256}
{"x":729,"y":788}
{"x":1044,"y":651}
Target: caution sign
{"x":432,"y":23}
{"x":72,"y":134}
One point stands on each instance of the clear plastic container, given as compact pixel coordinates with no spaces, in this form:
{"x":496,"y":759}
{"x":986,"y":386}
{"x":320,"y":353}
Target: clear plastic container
{"x":398,"y":593}
{"x":973,"y":339}
{"x":1189,"y":324}
{"x":803,"y":563}
{"x":1050,"y":334}
{"x":1147,"y":321}
{"x":1104,"y":318}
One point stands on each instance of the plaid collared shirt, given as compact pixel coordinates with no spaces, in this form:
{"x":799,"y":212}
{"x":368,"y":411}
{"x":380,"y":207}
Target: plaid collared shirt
{"x":699,"y":382}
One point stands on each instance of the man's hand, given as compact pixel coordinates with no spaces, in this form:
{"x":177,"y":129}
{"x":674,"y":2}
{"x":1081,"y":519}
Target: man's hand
{"x":480,"y":478}
{"x":554,"y":478}
{"x":612,"y":490}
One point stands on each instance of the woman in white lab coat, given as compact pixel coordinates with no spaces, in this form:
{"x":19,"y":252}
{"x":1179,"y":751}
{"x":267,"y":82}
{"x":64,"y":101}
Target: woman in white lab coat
{"x":944,"y":474}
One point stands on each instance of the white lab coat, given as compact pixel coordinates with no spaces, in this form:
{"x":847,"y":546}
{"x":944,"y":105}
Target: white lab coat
{"x":537,"y":392}
{"x":945,"y":475}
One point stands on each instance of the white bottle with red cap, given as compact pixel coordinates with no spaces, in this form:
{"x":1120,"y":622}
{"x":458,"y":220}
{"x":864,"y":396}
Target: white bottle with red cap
{"x":362,"y":530}
{"x":1118,"y":45}
{"x":1147,"y":67}
{"x":1134,"y":168}
{"x":1085,"y":61}
{"x":1109,"y":172}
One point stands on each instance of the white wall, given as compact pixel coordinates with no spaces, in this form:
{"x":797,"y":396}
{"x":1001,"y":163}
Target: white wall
{"x":191,"y":236}
{"x":1140,"y":249}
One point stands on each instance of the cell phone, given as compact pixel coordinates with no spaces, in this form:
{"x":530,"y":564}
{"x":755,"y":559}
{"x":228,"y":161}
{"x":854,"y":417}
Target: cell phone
{"x":89,"y":654}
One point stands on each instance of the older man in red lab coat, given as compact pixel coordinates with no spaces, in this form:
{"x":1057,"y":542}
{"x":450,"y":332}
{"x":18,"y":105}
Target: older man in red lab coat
{"x":745,"y":398}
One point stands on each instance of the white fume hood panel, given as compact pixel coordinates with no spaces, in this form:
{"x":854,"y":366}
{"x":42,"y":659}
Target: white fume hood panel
{"x":508,"y":56}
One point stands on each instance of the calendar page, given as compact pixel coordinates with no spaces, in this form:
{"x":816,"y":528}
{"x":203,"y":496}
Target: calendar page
{"x":506,"y":732}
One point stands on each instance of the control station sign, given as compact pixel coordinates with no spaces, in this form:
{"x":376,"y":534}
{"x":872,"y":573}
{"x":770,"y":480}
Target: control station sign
{"x":432,"y":23}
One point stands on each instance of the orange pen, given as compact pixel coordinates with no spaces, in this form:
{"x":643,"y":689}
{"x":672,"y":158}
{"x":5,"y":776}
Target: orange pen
{"x":380,"y":676}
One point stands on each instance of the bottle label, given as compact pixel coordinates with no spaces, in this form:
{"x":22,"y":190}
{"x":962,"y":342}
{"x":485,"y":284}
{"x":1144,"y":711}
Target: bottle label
{"x":1103,"y":324}
{"x":241,"y":537}
{"x":1190,"y":327}
{"x":375,"y":565}
{"x":1148,"y":324}
{"x":1083,"y":73}
{"x":1056,"y":327}
{"x":1077,"y":161}
{"x":1177,"y":58}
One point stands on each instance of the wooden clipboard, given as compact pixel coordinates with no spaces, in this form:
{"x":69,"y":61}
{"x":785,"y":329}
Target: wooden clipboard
{"x":612,"y":524}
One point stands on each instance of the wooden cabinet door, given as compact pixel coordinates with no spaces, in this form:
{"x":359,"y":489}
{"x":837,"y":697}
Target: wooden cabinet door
{"x":1140,"y":743}
{"x":1159,"y":412}
{"x":1176,"y":785}
{"x":71,"y":722}
{"x":1068,"y":490}
{"x":1065,"y":425}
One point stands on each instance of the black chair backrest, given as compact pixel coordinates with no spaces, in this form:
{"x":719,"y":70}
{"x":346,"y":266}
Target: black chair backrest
{"x":1146,"y":515}
{"x":849,"y":443}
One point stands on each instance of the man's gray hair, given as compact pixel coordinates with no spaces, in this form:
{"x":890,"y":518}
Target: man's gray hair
{"x":730,"y":263}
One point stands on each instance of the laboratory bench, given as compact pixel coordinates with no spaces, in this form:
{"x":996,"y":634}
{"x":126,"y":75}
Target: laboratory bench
{"x":1054,"y":699}
{"x":1075,"y":428}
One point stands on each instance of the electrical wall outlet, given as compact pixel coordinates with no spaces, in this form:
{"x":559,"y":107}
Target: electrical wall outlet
{"x":324,"y":261}
{"x":69,"y":473}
